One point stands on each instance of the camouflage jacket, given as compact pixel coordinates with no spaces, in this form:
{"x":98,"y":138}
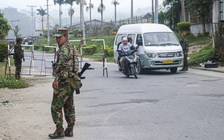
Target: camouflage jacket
{"x":18,"y":52}
{"x":185,"y":46}
{"x":66,"y":60}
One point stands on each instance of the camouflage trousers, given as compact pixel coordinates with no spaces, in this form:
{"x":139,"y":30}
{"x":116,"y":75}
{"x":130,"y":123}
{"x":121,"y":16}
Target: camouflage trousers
{"x":18,"y":65}
{"x":63,"y":99}
{"x":185,"y":61}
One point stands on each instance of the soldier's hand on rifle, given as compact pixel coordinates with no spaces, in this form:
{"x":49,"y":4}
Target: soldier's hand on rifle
{"x":55,"y":84}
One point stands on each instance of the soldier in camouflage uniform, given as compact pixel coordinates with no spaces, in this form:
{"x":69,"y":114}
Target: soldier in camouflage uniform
{"x":18,"y":57}
{"x":63,"y":92}
{"x":185,"y":46}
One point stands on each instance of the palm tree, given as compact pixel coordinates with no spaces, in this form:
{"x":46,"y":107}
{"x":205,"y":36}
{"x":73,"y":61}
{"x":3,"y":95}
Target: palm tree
{"x":89,"y":7}
{"x":81,"y":3}
{"x":42,"y":12}
{"x":100,"y":10}
{"x":60,"y":2}
{"x":71,"y":11}
{"x":16,"y":30}
{"x":115,"y":3}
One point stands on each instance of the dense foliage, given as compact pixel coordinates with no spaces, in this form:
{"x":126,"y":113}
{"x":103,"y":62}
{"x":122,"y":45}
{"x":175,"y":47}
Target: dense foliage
{"x":4,"y":26}
{"x":184,"y":26}
{"x":3,"y":50}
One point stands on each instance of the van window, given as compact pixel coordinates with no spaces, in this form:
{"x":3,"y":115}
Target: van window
{"x":139,"y":38}
{"x":118,"y":39}
{"x":132,"y":36}
{"x":160,"y":38}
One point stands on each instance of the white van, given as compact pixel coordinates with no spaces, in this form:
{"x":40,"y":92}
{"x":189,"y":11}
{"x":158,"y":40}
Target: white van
{"x":159,"y":47}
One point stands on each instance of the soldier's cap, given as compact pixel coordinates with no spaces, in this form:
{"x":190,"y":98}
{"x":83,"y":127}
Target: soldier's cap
{"x":183,"y":35}
{"x":61,"y":32}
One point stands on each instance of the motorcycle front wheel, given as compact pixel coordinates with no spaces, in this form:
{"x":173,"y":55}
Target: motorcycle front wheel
{"x":133,"y":70}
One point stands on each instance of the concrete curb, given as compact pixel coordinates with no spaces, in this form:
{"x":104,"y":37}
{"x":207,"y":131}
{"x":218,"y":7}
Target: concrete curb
{"x":209,"y":69}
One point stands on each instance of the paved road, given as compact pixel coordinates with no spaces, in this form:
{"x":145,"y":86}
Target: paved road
{"x":156,"y":106}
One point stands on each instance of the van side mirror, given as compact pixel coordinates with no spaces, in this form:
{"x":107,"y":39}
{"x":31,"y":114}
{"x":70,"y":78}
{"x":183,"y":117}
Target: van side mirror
{"x":139,"y":42}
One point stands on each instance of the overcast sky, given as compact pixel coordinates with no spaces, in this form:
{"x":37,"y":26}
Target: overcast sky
{"x":124,"y":6}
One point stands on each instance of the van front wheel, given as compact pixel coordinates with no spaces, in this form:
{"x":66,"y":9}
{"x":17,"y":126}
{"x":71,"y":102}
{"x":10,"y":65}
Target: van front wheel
{"x":173,"y":70}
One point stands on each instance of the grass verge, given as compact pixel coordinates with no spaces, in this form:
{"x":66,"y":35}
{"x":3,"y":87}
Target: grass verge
{"x":205,"y":54}
{"x":7,"y":81}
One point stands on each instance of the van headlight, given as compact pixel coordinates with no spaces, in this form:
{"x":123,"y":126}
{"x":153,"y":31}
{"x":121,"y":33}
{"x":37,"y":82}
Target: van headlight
{"x":179,"y":54}
{"x":150,"y":55}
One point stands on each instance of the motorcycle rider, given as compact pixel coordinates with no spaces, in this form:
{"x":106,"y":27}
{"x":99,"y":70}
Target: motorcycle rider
{"x":124,"y":48}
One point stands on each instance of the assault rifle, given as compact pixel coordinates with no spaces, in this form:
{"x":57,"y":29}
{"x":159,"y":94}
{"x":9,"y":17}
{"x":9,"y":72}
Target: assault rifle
{"x":85,"y":67}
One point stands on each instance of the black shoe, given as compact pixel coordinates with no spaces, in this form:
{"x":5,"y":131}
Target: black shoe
{"x":69,"y":132}
{"x":184,"y":69}
{"x":56,"y":136}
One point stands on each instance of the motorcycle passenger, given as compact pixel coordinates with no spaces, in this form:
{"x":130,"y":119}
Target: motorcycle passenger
{"x":123,"y":49}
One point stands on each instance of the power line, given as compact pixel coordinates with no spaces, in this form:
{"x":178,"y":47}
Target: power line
{"x":32,"y":7}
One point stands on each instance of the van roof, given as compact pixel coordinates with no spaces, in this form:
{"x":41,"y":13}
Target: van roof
{"x":145,"y":27}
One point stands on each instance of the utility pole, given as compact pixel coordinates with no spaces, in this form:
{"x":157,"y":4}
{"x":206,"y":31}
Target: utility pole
{"x":13,"y":22}
{"x":183,"y":11}
{"x":48,"y":33}
{"x":32,"y":7}
{"x":152,"y":11}
{"x":156,"y":11}
{"x":132,"y":11}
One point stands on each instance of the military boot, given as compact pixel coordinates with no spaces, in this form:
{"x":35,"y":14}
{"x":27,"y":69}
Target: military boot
{"x":69,"y":131}
{"x":59,"y":133}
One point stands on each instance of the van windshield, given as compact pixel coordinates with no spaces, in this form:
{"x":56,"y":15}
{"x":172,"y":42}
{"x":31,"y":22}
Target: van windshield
{"x":160,"y":39}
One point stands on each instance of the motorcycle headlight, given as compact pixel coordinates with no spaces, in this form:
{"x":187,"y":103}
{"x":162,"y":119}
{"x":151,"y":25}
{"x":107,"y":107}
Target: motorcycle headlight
{"x":179,"y":54}
{"x":150,"y":55}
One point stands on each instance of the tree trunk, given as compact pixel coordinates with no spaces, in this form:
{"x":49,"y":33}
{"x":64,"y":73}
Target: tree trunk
{"x":203,"y":26}
{"x":101,"y":13}
{"x":70,"y":17}
{"x":42,"y":24}
{"x":60,"y":15}
{"x":131,"y":11}
{"x":115,"y":9}
{"x":90,"y":15}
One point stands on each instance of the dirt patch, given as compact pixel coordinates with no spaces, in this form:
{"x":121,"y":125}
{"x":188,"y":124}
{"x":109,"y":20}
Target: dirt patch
{"x":27,"y":113}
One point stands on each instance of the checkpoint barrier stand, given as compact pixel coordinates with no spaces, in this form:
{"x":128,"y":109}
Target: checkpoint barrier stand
{"x":48,"y":58}
{"x":29,"y":55}
{"x":41,"y":57}
{"x":104,"y":56}
{"x":8,"y":61}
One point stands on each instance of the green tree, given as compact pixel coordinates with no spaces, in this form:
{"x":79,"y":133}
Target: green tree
{"x":172,"y":13}
{"x":16,"y":31}
{"x":88,"y":8}
{"x":115,"y":3}
{"x":202,"y":10}
{"x":59,"y":2}
{"x":4,"y":26}
{"x":162,"y":17}
{"x":42,"y":12}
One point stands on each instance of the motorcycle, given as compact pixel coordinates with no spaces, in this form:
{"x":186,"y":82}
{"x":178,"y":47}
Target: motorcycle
{"x":131,"y":63}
